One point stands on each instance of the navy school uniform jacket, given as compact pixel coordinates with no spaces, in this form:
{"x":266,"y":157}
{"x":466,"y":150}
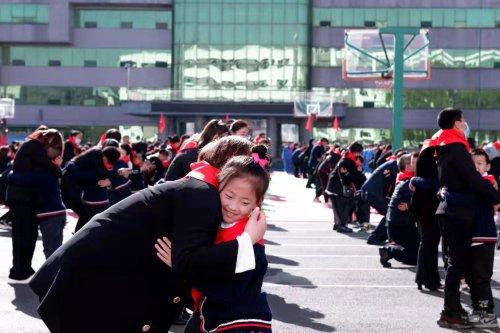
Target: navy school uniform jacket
{"x":87,"y":170}
{"x":181,"y":163}
{"x":51,"y":203}
{"x":120,"y":186}
{"x":401,"y":194}
{"x":137,"y":179}
{"x":107,"y":277}
{"x":380,"y":185}
{"x":237,"y":302}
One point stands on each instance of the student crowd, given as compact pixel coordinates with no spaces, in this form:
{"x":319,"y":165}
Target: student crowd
{"x":445,"y":192}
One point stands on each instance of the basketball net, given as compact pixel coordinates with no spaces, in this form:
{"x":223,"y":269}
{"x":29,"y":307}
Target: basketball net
{"x":384,"y":84}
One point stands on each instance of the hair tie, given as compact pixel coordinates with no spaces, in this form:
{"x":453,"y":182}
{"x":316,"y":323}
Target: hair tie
{"x":260,"y":161}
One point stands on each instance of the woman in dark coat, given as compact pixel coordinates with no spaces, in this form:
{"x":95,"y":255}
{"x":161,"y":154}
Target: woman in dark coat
{"x":107,"y":278}
{"x":423,"y":207}
{"x":35,"y":154}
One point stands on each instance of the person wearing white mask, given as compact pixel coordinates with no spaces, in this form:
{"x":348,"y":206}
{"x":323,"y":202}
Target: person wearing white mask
{"x":72,"y":146}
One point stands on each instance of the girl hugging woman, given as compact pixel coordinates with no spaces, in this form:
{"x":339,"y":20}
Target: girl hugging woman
{"x":237,"y":305}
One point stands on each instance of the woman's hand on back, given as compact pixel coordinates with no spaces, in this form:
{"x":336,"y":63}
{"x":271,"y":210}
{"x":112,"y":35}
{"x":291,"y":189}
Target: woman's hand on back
{"x":256,"y":225}
{"x":163,"y":247}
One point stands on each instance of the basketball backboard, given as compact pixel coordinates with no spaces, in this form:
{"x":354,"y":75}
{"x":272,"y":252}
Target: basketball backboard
{"x":7,"y":108}
{"x":311,"y":103}
{"x":369,"y":55}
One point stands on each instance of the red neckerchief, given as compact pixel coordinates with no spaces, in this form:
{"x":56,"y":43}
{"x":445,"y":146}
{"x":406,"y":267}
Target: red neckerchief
{"x":448,"y":136}
{"x":108,"y":166}
{"x":491,"y":179}
{"x":404,"y":175}
{"x":228,"y":234}
{"x":125,"y":159}
{"x":189,"y":144}
{"x":392,"y":158}
{"x":204,"y":172}
{"x":223,"y":235}
{"x":352,"y":157}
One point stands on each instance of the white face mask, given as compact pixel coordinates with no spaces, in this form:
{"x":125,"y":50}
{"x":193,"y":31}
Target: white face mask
{"x":78,"y":141}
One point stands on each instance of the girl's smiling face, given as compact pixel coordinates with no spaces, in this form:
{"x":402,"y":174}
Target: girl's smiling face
{"x":238,"y":199}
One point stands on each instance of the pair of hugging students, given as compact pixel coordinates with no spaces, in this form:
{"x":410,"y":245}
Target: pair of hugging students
{"x":108,"y":278}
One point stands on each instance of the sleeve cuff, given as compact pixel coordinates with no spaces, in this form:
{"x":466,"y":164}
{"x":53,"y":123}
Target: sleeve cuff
{"x":245,"y":261}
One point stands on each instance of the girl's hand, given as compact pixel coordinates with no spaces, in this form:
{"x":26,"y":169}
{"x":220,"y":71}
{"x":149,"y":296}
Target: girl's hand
{"x":163,"y":247}
{"x":104,"y":183}
{"x":403,"y":206}
{"x":58,"y":160}
{"x":256,"y":225}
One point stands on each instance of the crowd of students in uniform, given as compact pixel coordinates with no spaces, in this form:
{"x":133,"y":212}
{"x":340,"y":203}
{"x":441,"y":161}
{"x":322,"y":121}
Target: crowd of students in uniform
{"x":446,"y":191}
{"x":189,"y":203}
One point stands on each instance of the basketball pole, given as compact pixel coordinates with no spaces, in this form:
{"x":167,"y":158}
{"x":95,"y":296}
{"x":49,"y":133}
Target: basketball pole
{"x":398,"y":77}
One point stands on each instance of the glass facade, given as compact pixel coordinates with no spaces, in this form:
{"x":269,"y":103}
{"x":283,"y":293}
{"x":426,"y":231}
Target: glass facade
{"x":78,"y":96}
{"x":440,"y":58}
{"x":407,"y":17}
{"x":123,"y":18}
{"x":79,"y":57}
{"x":416,"y":98}
{"x":24,"y":13}
{"x":240,"y":50}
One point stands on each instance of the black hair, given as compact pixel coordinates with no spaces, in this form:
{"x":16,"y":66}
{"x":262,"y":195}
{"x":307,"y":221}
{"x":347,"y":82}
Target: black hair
{"x":447,"y":117}
{"x":113,"y":133}
{"x":111,"y":143}
{"x":356,"y":147}
{"x":218,"y":152}
{"x":403,"y":162}
{"x":237,"y":125}
{"x":111,"y":153}
{"x":480,"y":152}
{"x":127,"y":148}
{"x":260,"y":150}
{"x":245,"y":166}
{"x":74,"y":133}
{"x":212,"y":129}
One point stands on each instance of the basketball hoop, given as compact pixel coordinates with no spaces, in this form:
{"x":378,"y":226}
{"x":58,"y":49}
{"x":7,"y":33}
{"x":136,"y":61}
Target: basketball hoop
{"x":384,"y":83}
{"x":7,"y":108}
{"x":312,"y":109}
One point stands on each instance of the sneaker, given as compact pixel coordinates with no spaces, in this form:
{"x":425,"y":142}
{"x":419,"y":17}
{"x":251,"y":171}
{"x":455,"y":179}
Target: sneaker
{"x":344,"y":230}
{"x":335,"y":226}
{"x":456,"y":321}
{"x":484,"y":320}
{"x":316,"y":199}
{"x":384,"y":257}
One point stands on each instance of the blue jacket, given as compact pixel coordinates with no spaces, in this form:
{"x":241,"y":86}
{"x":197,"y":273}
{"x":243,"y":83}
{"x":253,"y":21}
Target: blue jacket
{"x":237,"y":301}
{"x":401,"y":194}
{"x":485,"y":230}
{"x":51,"y":201}
{"x":137,"y":179}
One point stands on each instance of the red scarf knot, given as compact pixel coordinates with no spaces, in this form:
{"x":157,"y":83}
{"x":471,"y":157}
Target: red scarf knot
{"x":204,"y":172}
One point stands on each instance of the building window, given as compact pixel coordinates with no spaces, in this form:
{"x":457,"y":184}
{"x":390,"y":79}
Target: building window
{"x":24,"y":13}
{"x":90,"y":63}
{"x":370,"y":24}
{"x":426,"y":24}
{"x":325,"y":24}
{"x":18,"y":62}
{"x":161,"y":64}
{"x":54,"y":63}
{"x":161,"y":25}
{"x":90,"y":24}
{"x":126,"y":25}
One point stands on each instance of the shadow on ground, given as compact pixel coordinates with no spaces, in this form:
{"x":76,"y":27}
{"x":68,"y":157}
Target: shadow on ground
{"x":294,"y":314}
{"x":25,"y":300}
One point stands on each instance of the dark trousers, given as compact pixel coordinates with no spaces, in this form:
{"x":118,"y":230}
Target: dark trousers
{"x":427,"y":262}
{"x":52,"y":233}
{"x":24,"y":235}
{"x":296,"y":170}
{"x":310,"y":176}
{"x":458,"y":232}
{"x":407,"y":237}
{"x":479,"y":276}
{"x":362,"y":209}
{"x":342,"y":206}
{"x":380,"y":204}
{"x":87,"y":214}
{"x":323,"y":180}
{"x":317,"y":185}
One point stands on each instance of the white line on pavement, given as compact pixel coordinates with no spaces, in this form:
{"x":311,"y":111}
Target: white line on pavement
{"x":288,"y":268}
{"x":365,"y":286}
{"x":285,"y":255}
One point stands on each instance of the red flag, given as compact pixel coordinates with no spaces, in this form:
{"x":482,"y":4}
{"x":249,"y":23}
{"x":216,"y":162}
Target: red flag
{"x":226,"y":118}
{"x":162,"y":125}
{"x":310,"y":123}
{"x":336,"y":124}
{"x":3,"y":139}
